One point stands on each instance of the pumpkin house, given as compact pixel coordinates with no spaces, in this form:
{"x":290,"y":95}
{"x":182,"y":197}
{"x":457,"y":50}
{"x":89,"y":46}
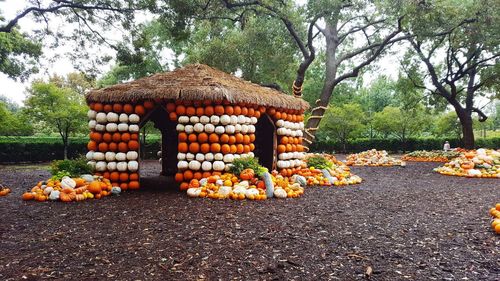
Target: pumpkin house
{"x":207,"y":119}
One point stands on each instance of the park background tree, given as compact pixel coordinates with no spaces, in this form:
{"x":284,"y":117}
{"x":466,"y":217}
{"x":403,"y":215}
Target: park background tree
{"x":461,"y":64}
{"x":56,"y":108}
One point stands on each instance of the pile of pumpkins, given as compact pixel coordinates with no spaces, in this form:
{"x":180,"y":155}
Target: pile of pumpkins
{"x":374,"y":158}
{"x":430,"y":156}
{"x":212,"y":134}
{"x":495,"y":213}
{"x":4,"y":191}
{"x":480,"y":163}
{"x":244,"y":186}
{"x":71,"y":189}
{"x":114,"y":141}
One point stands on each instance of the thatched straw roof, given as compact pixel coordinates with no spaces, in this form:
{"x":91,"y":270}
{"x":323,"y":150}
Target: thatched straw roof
{"x":196,"y":82}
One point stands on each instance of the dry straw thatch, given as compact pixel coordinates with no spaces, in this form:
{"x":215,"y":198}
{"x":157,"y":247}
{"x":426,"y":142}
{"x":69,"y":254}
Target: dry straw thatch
{"x":196,"y":82}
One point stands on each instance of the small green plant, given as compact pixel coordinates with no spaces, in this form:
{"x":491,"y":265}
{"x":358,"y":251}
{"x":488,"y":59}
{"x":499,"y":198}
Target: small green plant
{"x":59,"y":175}
{"x":319,"y":162}
{"x":243,"y":163}
{"x":71,"y":168}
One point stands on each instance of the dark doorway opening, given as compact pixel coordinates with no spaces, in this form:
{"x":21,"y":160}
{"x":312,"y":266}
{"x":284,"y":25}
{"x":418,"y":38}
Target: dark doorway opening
{"x":266,"y":142}
{"x":159,"y":117}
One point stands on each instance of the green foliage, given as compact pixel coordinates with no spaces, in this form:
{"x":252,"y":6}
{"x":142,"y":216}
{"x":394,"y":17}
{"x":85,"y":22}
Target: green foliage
{"x":447,"y":125}
{"x":59,"y":175}
{"x":13,"y":123}
{"x":393,"y":121}
{"x":18,"y":54}
{"x":243,"y":163}
{"x":319,"y":162}
{"x":74,"y":167}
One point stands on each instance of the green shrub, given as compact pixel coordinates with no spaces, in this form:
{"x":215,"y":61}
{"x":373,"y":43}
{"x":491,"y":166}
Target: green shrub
{"x":243,"y":163}
{"x":73,"y":168}
{"x":318,"y":162}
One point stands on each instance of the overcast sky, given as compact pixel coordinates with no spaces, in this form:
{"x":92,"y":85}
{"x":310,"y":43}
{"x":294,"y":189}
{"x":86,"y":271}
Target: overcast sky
{"x":15,"y":90}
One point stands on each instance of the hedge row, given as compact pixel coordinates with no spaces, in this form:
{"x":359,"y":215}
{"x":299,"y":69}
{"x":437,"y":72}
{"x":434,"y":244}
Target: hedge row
{"x":43,"y":149}
{"x":395,"y":145}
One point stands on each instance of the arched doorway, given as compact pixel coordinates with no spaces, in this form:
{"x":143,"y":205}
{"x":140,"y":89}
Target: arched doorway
{"x":159,"y":117}
{"x":266,"y":142}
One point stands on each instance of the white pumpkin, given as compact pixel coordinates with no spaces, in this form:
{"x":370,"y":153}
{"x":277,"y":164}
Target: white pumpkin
{"x":194,"y":119}
{"x":111,"y":127}
{"x":209,"y":156}
{"x":218,"y":156}
{"x":112,"y":117}
{"x":133,"y":166}
{"x":120,"y":156}
{"x":111,"y":166}
{"x":123,"y":118}
{"x":132,"y":155}
{"x":225,"y":190}
{"x":218,"y":166}
{"x":181,"y":156}
{"x":214,"y":119}
{"x":67,"y":182}
{"x":193,"y":192}
{"x":134,"y":118}
{"x":228,"y":158}
{"x":219,"y":130}
{"x":200,"y":157}
{"x":100,"y":128}
{"x":280,"y":123}
{"x":101,"y":166}
{"x":92,"y":124}
{"x":198,"y":127}
{"x":236,"y":156}
{"x":229,"y":129}
{"x":251,"y":129}
{"x":247,"y":120}
{"x":239,"y":189}
{"x":133,"y":128}
{"x":194,"y":165}
{"x":300,"y":134}
{"x":281,"y":131}
{"x":48,"y":190}
{"x":206,"y":166}
{"x":182,"y":165}
{"x":244,"y":129}
{"x":253,"y":120}
{"x":91,"y":114}
{"x":183,"y":119}
{"x":189,"y":156}
{"x":90,"y":155}
{"x":92,"y":164}
{"x":251,"y":154}
{"x":54,"y":195}
{"x":101,"y":118}
{"x":251,"y":192}
{"x":123,"y":127}
{"x":98,"y":156}
{"x":233,"y":120}
{"x":228,"y":167}
{"x":110,"y":156}
{"x":237,"y":128}
{"x":204,"y":119}
{"x":179,"y":128}
{"x":188,"y":129}
{"x":122,"y":166}
{"x":241,"y":119}
{"x":209,"y":128}
{"x":225,"y":119}
{"x":280,"y":193}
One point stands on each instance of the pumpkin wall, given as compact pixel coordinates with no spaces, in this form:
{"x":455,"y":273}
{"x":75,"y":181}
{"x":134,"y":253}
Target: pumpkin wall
{"x":114,"y":141}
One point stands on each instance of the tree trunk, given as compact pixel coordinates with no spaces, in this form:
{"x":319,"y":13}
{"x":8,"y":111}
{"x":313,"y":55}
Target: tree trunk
{"x":467,"y":130}
{"x":318,"y":112}
{"x":65,"y":144}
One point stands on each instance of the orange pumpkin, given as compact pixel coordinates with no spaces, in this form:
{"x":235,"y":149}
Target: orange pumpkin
{"x":209,"y":110}
{"x":92,"y":145}
{"x":205,"y":148}
{"x":133,"y":177}
{"x":117,"y":107}
{"x":215,"y":147}
{"x":219,"y":110}
{"x":133,"y":145}
{"x":95,"y":187}
{"x":247,"y":174}
{"x":98,"y":107}
{"x":172,"y":116}
{"x":123,"y":177}
{"x":180,"y":110}
{"x":149,"y":104}
{"x":188,"y":175}
{"x":139,"y":110}
{"x":194,"y":147}
{"x":133,"y":185}
{"x":203,"y":137}
{"x":113,"y":147}
{"x":179,"y":177}
{"x":190,"y":111}
{"x":182,"y":147}
{"x":108,"y":108}
{"x":28,"y":196}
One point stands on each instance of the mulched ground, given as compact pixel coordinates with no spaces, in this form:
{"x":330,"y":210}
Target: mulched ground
{"x":403,"y":223}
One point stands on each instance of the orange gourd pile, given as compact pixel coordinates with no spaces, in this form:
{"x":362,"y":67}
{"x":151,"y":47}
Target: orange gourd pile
{"x":77,"y":190}
{"x":373,"y":158}
{"x":114,"y":141}
{"x":480,"y":163}
{"x":495,"y":213}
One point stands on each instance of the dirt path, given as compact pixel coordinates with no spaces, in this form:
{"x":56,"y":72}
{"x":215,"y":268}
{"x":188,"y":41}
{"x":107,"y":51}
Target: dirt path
{"x":406,"y":223}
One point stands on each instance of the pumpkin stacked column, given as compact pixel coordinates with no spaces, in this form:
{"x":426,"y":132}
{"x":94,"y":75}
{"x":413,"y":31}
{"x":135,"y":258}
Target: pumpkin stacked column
{"x":211,"y":135}
{"x":290,"y":126}
{"x":114,"y":142}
